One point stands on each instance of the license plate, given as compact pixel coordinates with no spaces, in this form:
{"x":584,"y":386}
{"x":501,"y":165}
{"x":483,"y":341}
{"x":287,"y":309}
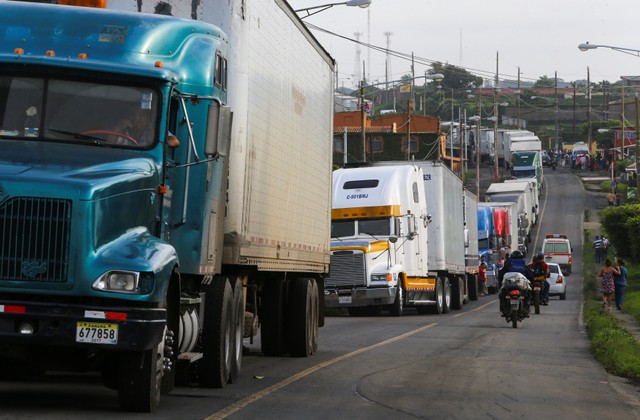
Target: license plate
{"x":344,"y":299}
{"x":96,"y":333}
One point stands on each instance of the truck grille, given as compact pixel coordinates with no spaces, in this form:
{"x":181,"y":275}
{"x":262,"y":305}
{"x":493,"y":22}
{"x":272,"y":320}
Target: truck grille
{"x":34,"y":239}
{"x":347,"y":269}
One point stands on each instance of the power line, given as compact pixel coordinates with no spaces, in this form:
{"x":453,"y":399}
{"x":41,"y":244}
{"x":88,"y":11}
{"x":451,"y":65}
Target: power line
{"x":485,"y":74}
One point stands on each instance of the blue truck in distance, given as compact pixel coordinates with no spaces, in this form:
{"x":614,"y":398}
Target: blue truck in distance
{"x":487,"y":245}
{"x":165,"y":189}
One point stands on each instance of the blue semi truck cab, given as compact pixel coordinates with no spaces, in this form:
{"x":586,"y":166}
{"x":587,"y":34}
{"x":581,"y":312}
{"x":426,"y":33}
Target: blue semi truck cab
{"x":98,"y":199}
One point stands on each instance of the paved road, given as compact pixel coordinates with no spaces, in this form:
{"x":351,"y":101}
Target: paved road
{"x":468,"y":364}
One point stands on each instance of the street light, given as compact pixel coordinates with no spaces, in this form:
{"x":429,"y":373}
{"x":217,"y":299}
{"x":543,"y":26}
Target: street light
{"x":631,"y":51}
{"x":586,"y":46}
{"x":317,"y":9}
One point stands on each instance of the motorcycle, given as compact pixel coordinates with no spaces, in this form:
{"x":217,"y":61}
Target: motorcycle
{"x":553,"y":165}
{"x":513,"y":302}
{"x":538,"y":284}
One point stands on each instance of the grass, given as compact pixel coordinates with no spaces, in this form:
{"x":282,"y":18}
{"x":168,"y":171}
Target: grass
{"x":613,"y":346}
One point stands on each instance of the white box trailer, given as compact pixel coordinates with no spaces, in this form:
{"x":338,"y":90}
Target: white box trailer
{"x":504,"y":141}
{"x":445,"y":204}
{"x":533,"y":194}
{"x":525,"y":144}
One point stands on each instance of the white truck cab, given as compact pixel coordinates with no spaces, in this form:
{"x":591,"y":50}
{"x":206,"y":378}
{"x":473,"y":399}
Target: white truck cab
{"x":557,"y":249}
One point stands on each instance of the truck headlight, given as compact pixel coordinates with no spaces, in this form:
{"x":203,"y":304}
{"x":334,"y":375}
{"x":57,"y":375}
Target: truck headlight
{"x":387,"y":277}
{"x":118,"y":281}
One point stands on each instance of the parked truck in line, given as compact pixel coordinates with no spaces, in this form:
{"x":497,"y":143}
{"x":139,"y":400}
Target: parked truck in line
{"x":388,"y":246}
{"x":141,"y":255}
{"x":508,"y":235}
{"x":533,"y":196}
{"x":526,"y":165}
{"x":515,"y":192}
{"x":487,"y":243}
{"x":505,"y":137}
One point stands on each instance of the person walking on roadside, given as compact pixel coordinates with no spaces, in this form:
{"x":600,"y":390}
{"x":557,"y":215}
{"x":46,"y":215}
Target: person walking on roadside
{"x":611,"y":198}
{"x":482,"y":276}
{"x":597,"y":249}
{"x":607,"y":285}
{"x":620,"y":283}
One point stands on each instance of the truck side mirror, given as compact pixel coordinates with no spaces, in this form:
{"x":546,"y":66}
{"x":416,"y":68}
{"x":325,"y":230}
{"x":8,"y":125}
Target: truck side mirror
{"x":218,"y":130}
{"x":466,"y":238}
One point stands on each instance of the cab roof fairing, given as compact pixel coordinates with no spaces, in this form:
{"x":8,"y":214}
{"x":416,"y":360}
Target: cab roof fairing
{"x":134,"y":41}
{"x":393,"y":187}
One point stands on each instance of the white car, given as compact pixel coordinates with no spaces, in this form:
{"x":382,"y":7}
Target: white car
{"x":557,"y":281}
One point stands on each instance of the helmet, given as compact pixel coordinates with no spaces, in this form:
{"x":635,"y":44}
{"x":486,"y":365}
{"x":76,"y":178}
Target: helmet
{"x":516,"y":254}
{"x":539,"y":256}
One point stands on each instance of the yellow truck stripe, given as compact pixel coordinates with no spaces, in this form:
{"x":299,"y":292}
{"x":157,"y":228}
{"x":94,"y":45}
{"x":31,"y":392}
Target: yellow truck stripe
{"x":376,"y":246}
{"x":365,"y":212}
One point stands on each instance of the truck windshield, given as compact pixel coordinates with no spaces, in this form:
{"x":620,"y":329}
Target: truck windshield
{"x":524,"y":173}
{"x":48,"y":109}
{"x":375,"y":227}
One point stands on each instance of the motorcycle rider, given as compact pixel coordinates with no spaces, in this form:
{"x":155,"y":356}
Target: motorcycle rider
{"x":515,"y":263}
{"x":539,"y":269}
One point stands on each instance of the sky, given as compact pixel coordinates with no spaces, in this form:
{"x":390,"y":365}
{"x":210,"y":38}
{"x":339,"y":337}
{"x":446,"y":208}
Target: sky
{"x":539,"y":37}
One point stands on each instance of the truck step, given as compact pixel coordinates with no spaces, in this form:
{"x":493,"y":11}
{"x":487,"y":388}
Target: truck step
{"x":189,"y":357}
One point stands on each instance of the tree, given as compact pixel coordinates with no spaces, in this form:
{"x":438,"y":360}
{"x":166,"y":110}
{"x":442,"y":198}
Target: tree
{"x":544,"y":82}
{"x":456,"y":78}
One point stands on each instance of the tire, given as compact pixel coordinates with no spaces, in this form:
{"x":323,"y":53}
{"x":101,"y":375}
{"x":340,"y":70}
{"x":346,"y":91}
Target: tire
{"x":563,"y":296}
{"x":472,"y":283}
{"x":439,"y":298}
{"x":446,"y":301}
{"x":536,"y":301}
{"x":272,"y":318}
{"x":216,"y":340}
{"x":303,"y":317}
{"x":514,"y":321}
{"x":139,"y":379}
{"x":397,"y":308}
{"x":457,"y":293}
{"x":237,"y":329}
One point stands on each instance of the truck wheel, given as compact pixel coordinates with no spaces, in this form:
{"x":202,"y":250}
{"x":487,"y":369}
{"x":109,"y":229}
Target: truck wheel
{"x":140,"y":378}
{"x":439,"y":298}
{"x":272,"y":318}
{"x":303,"y":317}
{"x":457,"y":293}
{"x":472,"y":283}
{"x":237,"y":330}
{"x":216,"y":339}
{"x":446,"y":301}
{"x":397,"y":306}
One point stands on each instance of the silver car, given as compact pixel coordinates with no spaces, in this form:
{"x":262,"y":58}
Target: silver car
{"x":557,"y":281}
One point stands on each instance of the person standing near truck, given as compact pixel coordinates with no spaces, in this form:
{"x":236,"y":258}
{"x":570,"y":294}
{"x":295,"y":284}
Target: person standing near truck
{"x":482,"y":276}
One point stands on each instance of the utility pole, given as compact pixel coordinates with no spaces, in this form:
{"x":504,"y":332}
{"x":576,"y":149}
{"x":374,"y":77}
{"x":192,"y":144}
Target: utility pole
{"x":589,"y":140}
{"x":518,"y":102}
{"x":496,"y":175}
{"x":637,"y":144}
{"x":557,"y":109}
{"x":362,"y":117}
